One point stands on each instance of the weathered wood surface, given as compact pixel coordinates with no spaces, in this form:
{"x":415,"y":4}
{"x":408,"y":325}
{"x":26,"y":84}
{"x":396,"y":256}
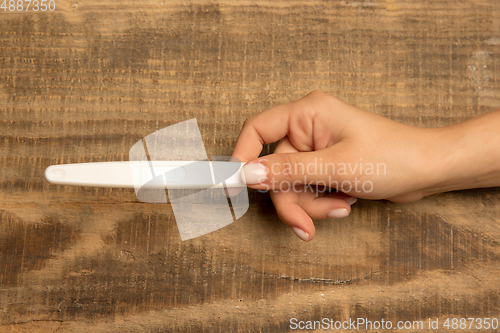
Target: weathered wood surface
{"x":85,"y":82}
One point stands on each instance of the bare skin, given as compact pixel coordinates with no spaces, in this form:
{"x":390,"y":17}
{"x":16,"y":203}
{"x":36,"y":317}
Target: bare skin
{"x":329,"y":143}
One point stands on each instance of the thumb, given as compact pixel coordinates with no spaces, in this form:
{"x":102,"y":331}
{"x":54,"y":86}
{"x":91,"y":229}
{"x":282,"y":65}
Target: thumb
{"x":284,"y":171}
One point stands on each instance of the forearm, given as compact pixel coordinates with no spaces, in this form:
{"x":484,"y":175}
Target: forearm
{"x":466,"y":155}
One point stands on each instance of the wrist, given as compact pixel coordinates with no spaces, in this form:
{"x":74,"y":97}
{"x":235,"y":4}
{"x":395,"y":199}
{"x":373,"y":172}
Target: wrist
{"x":464,"y":155}
{"x":445,"y":152}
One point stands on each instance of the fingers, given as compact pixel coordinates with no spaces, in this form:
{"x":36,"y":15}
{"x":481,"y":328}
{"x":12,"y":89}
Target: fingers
{"x":274,"y":124}
{"x":314,"y":120}
{"x":319,"y":208}
{"x":297,"y":209}
{"x":266,"y":127}
{"x":280,"y":171}
{"x":340,"y":195}
{"x":287,"y":204}
{"x":295,"y":119}
{"x":293,"y":215}
{"x":298,"y":206}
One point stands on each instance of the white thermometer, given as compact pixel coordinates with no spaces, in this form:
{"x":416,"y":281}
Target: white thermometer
{"x":148,"y":174}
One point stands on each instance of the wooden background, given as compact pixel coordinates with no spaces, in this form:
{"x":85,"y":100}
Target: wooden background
{"x":86,"y":81}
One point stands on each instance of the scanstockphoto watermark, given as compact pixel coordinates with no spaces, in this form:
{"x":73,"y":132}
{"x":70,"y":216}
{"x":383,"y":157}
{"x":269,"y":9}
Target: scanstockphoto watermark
{"x":434,"y":324}
{"x":346,"y":177}
{"x":354,"y":324}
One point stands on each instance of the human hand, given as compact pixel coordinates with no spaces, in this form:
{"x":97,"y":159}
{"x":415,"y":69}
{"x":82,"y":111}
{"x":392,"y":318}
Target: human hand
{"x":331,"y":144}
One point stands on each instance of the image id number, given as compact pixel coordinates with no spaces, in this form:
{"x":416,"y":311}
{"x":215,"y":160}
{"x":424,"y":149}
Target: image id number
{"x":27,"y":5}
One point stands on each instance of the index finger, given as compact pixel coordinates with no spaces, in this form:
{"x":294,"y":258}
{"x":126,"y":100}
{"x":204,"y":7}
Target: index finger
{"x":266,"y":127}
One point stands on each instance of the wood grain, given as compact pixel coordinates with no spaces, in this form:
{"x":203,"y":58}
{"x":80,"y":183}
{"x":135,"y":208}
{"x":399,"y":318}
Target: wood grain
{"x":85,"y":82}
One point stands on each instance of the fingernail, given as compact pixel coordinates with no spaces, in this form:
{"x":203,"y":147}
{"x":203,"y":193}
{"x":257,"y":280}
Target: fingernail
{"x":301,"y":234}
{"x":253,"y":173}
{"x":351,"y":200}
{"x":337,"y":213}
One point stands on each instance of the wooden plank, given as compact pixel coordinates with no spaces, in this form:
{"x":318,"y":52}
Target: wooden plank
{"x":86,"y":81}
